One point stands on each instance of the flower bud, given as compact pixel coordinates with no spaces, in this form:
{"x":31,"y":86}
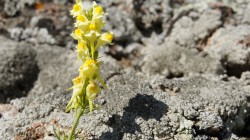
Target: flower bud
{"x":77,"y":10}
{"x":92,"y":91}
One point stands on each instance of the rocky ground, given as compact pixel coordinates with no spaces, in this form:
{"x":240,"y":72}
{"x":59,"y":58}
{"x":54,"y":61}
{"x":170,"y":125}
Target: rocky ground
{"x":178,"y":69}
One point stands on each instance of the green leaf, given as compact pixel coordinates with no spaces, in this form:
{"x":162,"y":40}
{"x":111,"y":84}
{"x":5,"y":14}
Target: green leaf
{"x":57,"y":134}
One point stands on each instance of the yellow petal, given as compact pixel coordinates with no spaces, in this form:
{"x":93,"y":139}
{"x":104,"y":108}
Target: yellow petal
{"x":98,"y":12}
{"x":77,"y":35}
{"x":105,"y":38}
{"x":92,"y":26}
{"x":77,"y":80}
{"x":82,"y":45}
{"x":92,"y":36}
{"x":92,"y":91}
{"x":81,"y":18}
{"x":76,"y":8}
{"x":89,"y":69}
{"x":78,"y":32}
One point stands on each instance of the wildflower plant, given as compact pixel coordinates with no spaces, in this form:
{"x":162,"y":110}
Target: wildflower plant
{"x":89,"y":35}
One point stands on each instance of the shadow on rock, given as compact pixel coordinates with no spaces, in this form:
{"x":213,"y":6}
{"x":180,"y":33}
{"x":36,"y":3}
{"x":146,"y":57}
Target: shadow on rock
{"x":245,"y":132}
{"x":18,"y":69}
{"x":144,"y":106}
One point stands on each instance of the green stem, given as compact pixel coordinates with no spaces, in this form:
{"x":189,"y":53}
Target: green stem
{"x":75,"y":123}
{"x":93,"y":51}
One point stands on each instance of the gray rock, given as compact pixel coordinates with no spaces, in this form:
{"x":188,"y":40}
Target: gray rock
{"x":246,"y":17}
{"x":18,"y":69}
{"x":121,"y":24}
{"x":213,"y":119}
{"x":230,"y":46}
{"x":15,"y":33}
{"x":245,"y":77}
{"x":150,"y":15}
{"x":237,"y":5}
{"x":12,"y":7}
{"x":171,"y":60}
{"x":58,"y":67}
{"x":31,"y":109}
{"x":135,"y":111}
{"x":32,"y":35}
{"x":191,"y":33}
{"x":169,"y":32}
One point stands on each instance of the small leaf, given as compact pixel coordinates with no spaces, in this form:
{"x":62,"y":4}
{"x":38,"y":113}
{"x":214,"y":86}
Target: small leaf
{"x":57,"y":134}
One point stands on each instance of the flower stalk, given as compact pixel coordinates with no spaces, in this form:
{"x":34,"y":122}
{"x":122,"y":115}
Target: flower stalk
{"x":89,"y":35}
{"x":72,"y":133}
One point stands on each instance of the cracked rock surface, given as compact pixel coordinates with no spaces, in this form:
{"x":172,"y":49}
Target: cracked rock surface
{"x":18,"y":69}
{"x":178,"y":69}
{"x":230,"y":45}
{"x":141,"y":110}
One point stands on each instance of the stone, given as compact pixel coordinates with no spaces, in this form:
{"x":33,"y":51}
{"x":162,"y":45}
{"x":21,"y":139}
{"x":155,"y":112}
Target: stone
{"x":58,"y":67}
{"x":7,"y":111}
{"x":12,"y":7}
{"x":191,"y":33}
{"x":179,"y":70}
{"x":171,"y":60}
{"x":150,"y":15}
{"x":133,"y":110}
{"x":246,"y":17}
{"x":18,"y":69}
{"x":121,"y":24}
{"x":32,"y":35}
{"x":230,"y":46}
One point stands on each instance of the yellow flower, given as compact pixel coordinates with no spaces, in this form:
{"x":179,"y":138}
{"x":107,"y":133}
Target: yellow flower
{"x":89,"y":69}
{"x":81,"y":18}
{"x":77,"y":10}
{"x":77,"y":81}
{"x":78,"y":85}
{"x":92,"y":26}
{"x":77,"y":35}
{"x":97,"y":11}
{"x":77,"y":91}
{"x":82,"y":51}
{"x":105,"y":38}
{"x":92,"y":37}
{"x":96,"y":25}
{"x":81,"y":46}
{"x":92,"y":91}
{"x":82,"y":22}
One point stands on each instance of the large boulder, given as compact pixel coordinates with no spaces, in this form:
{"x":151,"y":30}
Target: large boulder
{"x":18,"y":69}
{"x":171,"y":60}
{"x":58,"y":67}
{"x":186,"y":108}
{"x":12,"y":7}
{"x":122,"y":25}
{"x":193,"y":30}
{"x":230,"y":45}
{"x":151,"y":15}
